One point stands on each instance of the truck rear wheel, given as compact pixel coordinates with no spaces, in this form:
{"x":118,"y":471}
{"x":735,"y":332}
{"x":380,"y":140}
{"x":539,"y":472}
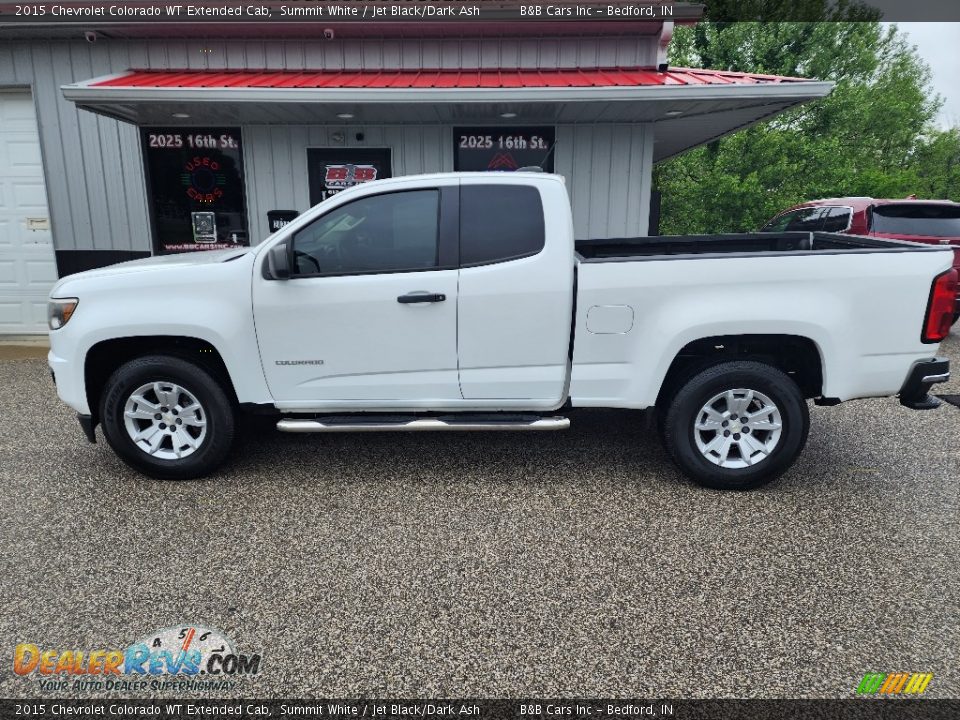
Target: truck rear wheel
{"x":736,"y":425}
{"x":167,"y":418}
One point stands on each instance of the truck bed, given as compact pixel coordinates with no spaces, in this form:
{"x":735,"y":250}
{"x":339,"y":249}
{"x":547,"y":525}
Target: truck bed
{"x":861,"y":302}
{"x":744,"y":244}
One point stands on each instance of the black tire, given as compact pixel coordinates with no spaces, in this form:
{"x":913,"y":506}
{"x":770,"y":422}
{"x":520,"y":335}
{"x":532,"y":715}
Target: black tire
{"x":684,"y":410}
{"x":217,"y":412}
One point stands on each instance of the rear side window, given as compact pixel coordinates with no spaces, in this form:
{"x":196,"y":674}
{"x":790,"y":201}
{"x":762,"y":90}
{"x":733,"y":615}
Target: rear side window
{"x":499,"y":222}
{"x":914,"y":219}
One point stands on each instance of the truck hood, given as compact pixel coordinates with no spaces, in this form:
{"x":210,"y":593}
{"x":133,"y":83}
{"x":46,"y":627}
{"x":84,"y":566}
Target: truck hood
{"x":157,"y":262}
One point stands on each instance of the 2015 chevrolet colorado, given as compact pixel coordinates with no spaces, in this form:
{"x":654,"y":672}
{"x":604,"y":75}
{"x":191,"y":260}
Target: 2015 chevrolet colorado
{"x":463,"y":302}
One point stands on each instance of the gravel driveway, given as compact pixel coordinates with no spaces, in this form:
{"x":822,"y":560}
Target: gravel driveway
{"x":577,"y":563}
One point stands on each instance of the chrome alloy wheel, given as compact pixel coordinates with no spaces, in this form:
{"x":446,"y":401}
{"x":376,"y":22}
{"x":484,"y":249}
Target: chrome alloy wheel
{"x":738,"y":428}
{"x":165,"y":420}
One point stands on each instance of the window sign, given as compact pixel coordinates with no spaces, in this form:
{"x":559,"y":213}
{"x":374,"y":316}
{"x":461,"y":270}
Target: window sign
{"x":279,"y":219}
{"x":334,"y":169}
{"x":503,"y":148}
{"x":195,"y":187}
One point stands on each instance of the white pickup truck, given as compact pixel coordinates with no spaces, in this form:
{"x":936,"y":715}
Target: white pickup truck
{"x":462,"y":302}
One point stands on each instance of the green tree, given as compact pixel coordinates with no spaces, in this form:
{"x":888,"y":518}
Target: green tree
{"x":872,"y":135}
{"x":937,"y":165}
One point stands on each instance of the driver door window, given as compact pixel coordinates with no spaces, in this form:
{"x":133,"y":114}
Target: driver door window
{"x":394,"y":232}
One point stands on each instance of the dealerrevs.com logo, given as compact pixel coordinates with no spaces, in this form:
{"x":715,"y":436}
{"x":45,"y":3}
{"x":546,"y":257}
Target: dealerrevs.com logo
{"x":187,"y":657}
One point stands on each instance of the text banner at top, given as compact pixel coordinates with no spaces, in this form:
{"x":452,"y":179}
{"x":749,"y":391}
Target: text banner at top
{"x":373,"y":11}
{"x":104,"y":12}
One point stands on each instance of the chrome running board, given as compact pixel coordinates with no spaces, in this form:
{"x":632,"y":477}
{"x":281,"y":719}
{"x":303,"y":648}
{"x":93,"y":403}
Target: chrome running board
{"x":431,"y":424}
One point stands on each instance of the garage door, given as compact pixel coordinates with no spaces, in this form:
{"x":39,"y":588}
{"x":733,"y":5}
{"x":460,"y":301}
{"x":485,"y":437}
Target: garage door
{"x":27,"y":266}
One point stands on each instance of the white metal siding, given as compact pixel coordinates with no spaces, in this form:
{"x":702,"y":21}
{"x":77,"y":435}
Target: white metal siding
{"x":94,"y":166}
{"x":609,"y":173}
{"x":275,"y":160}
{"x":607,"y":168}
{"x":407,"y":53}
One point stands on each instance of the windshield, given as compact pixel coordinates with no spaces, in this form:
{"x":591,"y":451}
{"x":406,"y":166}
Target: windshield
{"x":913,"y":219}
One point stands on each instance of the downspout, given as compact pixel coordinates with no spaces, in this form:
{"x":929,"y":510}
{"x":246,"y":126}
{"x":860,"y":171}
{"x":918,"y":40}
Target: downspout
{"x":666,"y":34}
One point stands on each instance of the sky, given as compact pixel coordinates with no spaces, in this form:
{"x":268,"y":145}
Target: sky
{"x":938,"y":43}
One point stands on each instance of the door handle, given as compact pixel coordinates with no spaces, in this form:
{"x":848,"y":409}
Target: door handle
{"x":421,"y":297}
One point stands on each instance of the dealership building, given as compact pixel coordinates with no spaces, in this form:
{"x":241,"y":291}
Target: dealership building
{"x":118,"y":141}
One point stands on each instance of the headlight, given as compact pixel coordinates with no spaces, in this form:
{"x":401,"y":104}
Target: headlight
{"x":59,"y":311}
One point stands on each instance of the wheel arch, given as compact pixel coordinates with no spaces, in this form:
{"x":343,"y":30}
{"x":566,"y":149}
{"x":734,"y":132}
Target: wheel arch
{"x":103,"y":359}
{"x":703,"y":451}
{"x":799,"y":357}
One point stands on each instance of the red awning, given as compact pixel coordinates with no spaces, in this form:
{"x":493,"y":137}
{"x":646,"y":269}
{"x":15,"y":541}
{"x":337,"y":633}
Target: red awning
{"x":439,"y":79}
{"x":687,"y":106}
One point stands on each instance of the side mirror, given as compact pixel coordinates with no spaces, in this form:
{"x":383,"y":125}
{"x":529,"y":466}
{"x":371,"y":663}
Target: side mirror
{"x":277,"y":264}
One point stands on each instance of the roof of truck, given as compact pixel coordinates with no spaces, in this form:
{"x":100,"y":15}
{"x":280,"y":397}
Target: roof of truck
{"x":862,"y":203}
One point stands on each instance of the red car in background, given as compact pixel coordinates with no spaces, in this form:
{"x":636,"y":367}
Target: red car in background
{"x":934,"y":222}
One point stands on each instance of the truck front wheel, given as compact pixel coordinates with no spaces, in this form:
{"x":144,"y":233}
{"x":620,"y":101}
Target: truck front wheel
{"x":167,"y":417}
{"x":736,"y":425}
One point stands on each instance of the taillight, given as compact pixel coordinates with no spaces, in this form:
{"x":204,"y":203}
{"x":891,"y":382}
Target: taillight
{"x":940,"y":309}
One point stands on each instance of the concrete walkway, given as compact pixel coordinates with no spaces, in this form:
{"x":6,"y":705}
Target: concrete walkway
{"x":23,"y":347}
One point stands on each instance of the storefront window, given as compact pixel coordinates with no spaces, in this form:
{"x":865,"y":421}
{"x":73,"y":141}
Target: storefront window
{"x":195,"y":186}
{"x":503,"y":148}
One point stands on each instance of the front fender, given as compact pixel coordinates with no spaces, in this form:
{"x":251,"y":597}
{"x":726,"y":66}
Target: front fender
{"x":208,"y":302}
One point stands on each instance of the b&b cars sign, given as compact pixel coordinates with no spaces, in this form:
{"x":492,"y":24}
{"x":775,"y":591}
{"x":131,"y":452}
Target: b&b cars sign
{"x":334,"y":169}
{"x":340,"y":177}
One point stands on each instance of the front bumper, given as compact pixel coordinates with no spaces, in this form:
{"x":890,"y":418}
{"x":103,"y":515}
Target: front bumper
{"x":87,"y":423}
{"x":69,"y":379}
{"x":924,"y":375}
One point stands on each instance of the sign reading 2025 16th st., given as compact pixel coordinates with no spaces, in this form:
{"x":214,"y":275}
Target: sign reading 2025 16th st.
{"x":195,"y":186}
{"x":503,"y":148}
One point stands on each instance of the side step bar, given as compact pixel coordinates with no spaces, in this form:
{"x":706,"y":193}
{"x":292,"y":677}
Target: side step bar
{"x":431,"y":424}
